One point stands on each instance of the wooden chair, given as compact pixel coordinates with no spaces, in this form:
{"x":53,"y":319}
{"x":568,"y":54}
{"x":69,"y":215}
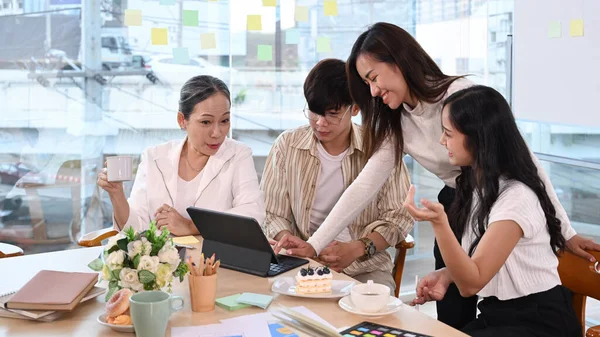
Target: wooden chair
{"x":95,"y":238}
{"x":401,"y":249}
{"x":583,"y":278}
{"x":8,"y":250}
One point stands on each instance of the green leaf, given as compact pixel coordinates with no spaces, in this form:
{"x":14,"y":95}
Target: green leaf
{"x":136,"y":261}
{"x":122,"y":244}
{"x":130,"y":234}
{"x":181,"y":271}
{"x":115,"y":274}
{"x":113,"y":249}
{"x":146,"y":276}
{"x":113,"y":286}
{"x":96,"y":265}
{"x":148,"y":286}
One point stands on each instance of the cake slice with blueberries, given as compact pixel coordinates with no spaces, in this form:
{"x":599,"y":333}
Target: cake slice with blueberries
{"x":313,"y":280}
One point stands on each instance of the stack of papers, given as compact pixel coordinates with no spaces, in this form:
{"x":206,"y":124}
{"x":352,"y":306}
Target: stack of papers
{"x":258,"y":325}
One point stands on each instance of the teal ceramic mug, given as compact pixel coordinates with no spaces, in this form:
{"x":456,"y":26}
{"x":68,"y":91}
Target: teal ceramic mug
{"x":150,"y":311}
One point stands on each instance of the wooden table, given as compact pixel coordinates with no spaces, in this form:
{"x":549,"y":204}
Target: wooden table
{"x":82,"y":321}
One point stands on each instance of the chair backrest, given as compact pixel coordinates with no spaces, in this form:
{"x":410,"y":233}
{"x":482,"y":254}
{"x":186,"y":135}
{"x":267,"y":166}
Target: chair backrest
{"x":8,"y":250}
{"x":582,"y":277}
{"x":401,"y":249}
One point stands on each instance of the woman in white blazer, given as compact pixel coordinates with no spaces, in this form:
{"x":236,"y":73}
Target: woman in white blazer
{"x":205,"y":170}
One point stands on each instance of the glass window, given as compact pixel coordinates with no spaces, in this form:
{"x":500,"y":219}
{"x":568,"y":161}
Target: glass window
{"x":62,"y":128}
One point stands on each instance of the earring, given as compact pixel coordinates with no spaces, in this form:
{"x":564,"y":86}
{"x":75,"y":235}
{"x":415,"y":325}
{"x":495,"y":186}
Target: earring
{"x":183,"y":128}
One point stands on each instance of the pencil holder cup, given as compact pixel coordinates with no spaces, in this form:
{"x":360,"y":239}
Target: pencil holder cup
{"x":203,"y":292}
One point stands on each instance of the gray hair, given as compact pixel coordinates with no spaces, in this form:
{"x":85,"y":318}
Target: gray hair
{"x":197,"y":89}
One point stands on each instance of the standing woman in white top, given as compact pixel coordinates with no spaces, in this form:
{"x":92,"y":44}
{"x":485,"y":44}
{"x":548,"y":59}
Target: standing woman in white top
{"x":509,"y":227}
{"x":206,"y":169}
{"x":400,"y":91}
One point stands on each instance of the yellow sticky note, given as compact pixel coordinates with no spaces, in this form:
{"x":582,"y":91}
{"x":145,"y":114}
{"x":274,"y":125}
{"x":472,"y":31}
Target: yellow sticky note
{"x":208,"y":41}
{"x":160,"y":36}
{"x":554,"y":29}
{"x":576,"y":27}
{"x":330,"y":8}
{"x":254,"y":22}
{"x":133,"y":17}
{"x":323,"y":45}
{"x":301,"y":14}
{"x":185,"y":240}
{"x":270,"y":3}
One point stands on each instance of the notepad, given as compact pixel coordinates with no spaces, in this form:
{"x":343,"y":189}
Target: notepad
{"x":257,"y":300}
{"x":230,"y":303}
{"x":53,"y":290}
{"x":185,"y":240}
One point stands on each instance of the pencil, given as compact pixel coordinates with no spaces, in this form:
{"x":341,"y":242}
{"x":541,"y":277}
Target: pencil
{"x":217,"y":265}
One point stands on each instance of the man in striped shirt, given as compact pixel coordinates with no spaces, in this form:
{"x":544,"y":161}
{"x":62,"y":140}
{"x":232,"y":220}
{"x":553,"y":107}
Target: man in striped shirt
{"x":308,"y":170}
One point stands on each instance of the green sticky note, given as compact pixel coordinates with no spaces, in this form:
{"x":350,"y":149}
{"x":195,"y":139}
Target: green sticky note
{"x":554,"y":29}
{"x":270,"y":3}
{"x":576,"y":28}
{"x":257,"y":300}
{"x":265,"y":52}
{"x":323,"y":45}
{"x":230,"y":303}
{"x":190,"y":18}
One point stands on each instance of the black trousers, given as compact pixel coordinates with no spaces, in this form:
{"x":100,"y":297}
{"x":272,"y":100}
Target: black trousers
{"x":454,"y":310}
{"x":545,"y":314}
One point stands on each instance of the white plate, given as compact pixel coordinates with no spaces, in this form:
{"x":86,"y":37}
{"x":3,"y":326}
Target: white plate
{"x":287,"y":286}
{"x":119,"y":328}
{"x":391,"y":307}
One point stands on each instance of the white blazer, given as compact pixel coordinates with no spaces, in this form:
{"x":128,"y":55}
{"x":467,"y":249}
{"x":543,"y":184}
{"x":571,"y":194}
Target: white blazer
{"x":229,"y":183}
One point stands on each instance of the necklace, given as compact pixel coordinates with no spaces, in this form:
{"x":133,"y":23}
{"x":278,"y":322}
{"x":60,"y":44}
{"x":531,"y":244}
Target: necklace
{"x":190,"y":165}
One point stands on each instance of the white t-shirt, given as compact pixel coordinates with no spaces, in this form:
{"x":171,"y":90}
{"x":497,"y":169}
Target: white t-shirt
{"x":532,"y":266}
{"x":187,"y":193}
{"x":330,"y":186}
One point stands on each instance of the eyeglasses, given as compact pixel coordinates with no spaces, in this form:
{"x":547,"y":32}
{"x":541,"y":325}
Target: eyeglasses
{"x":333,"y":118}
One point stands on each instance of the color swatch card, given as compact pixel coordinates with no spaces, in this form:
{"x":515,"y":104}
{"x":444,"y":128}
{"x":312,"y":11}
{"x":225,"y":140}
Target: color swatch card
{"x":369,"y":329}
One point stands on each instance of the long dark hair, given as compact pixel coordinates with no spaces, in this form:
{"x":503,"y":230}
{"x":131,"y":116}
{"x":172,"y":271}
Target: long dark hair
{"x":391,"y":44}
{"x":498,"y":150}
{"x":197,"y":89}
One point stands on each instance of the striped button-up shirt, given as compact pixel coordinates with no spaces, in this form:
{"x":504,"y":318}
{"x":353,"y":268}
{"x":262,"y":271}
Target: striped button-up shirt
{"x":289,"y":183}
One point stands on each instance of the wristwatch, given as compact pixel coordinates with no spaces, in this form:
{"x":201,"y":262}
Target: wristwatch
{"x":370,"y":248}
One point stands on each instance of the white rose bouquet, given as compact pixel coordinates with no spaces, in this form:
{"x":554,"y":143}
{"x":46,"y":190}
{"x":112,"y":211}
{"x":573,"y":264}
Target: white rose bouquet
{"x":140,"y":261}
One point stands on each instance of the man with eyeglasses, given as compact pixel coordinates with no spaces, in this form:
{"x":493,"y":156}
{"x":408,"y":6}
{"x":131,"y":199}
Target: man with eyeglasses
{"x":308,"y":170}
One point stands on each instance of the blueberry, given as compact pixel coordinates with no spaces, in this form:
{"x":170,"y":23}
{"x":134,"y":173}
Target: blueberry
{"x":303,"y":272}
{"x":320,"y":272}
{"x":326,"y":270}
{"x":311,"y":272}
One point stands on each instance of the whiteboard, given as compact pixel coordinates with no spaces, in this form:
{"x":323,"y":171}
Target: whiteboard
{"x":556,"y":80}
